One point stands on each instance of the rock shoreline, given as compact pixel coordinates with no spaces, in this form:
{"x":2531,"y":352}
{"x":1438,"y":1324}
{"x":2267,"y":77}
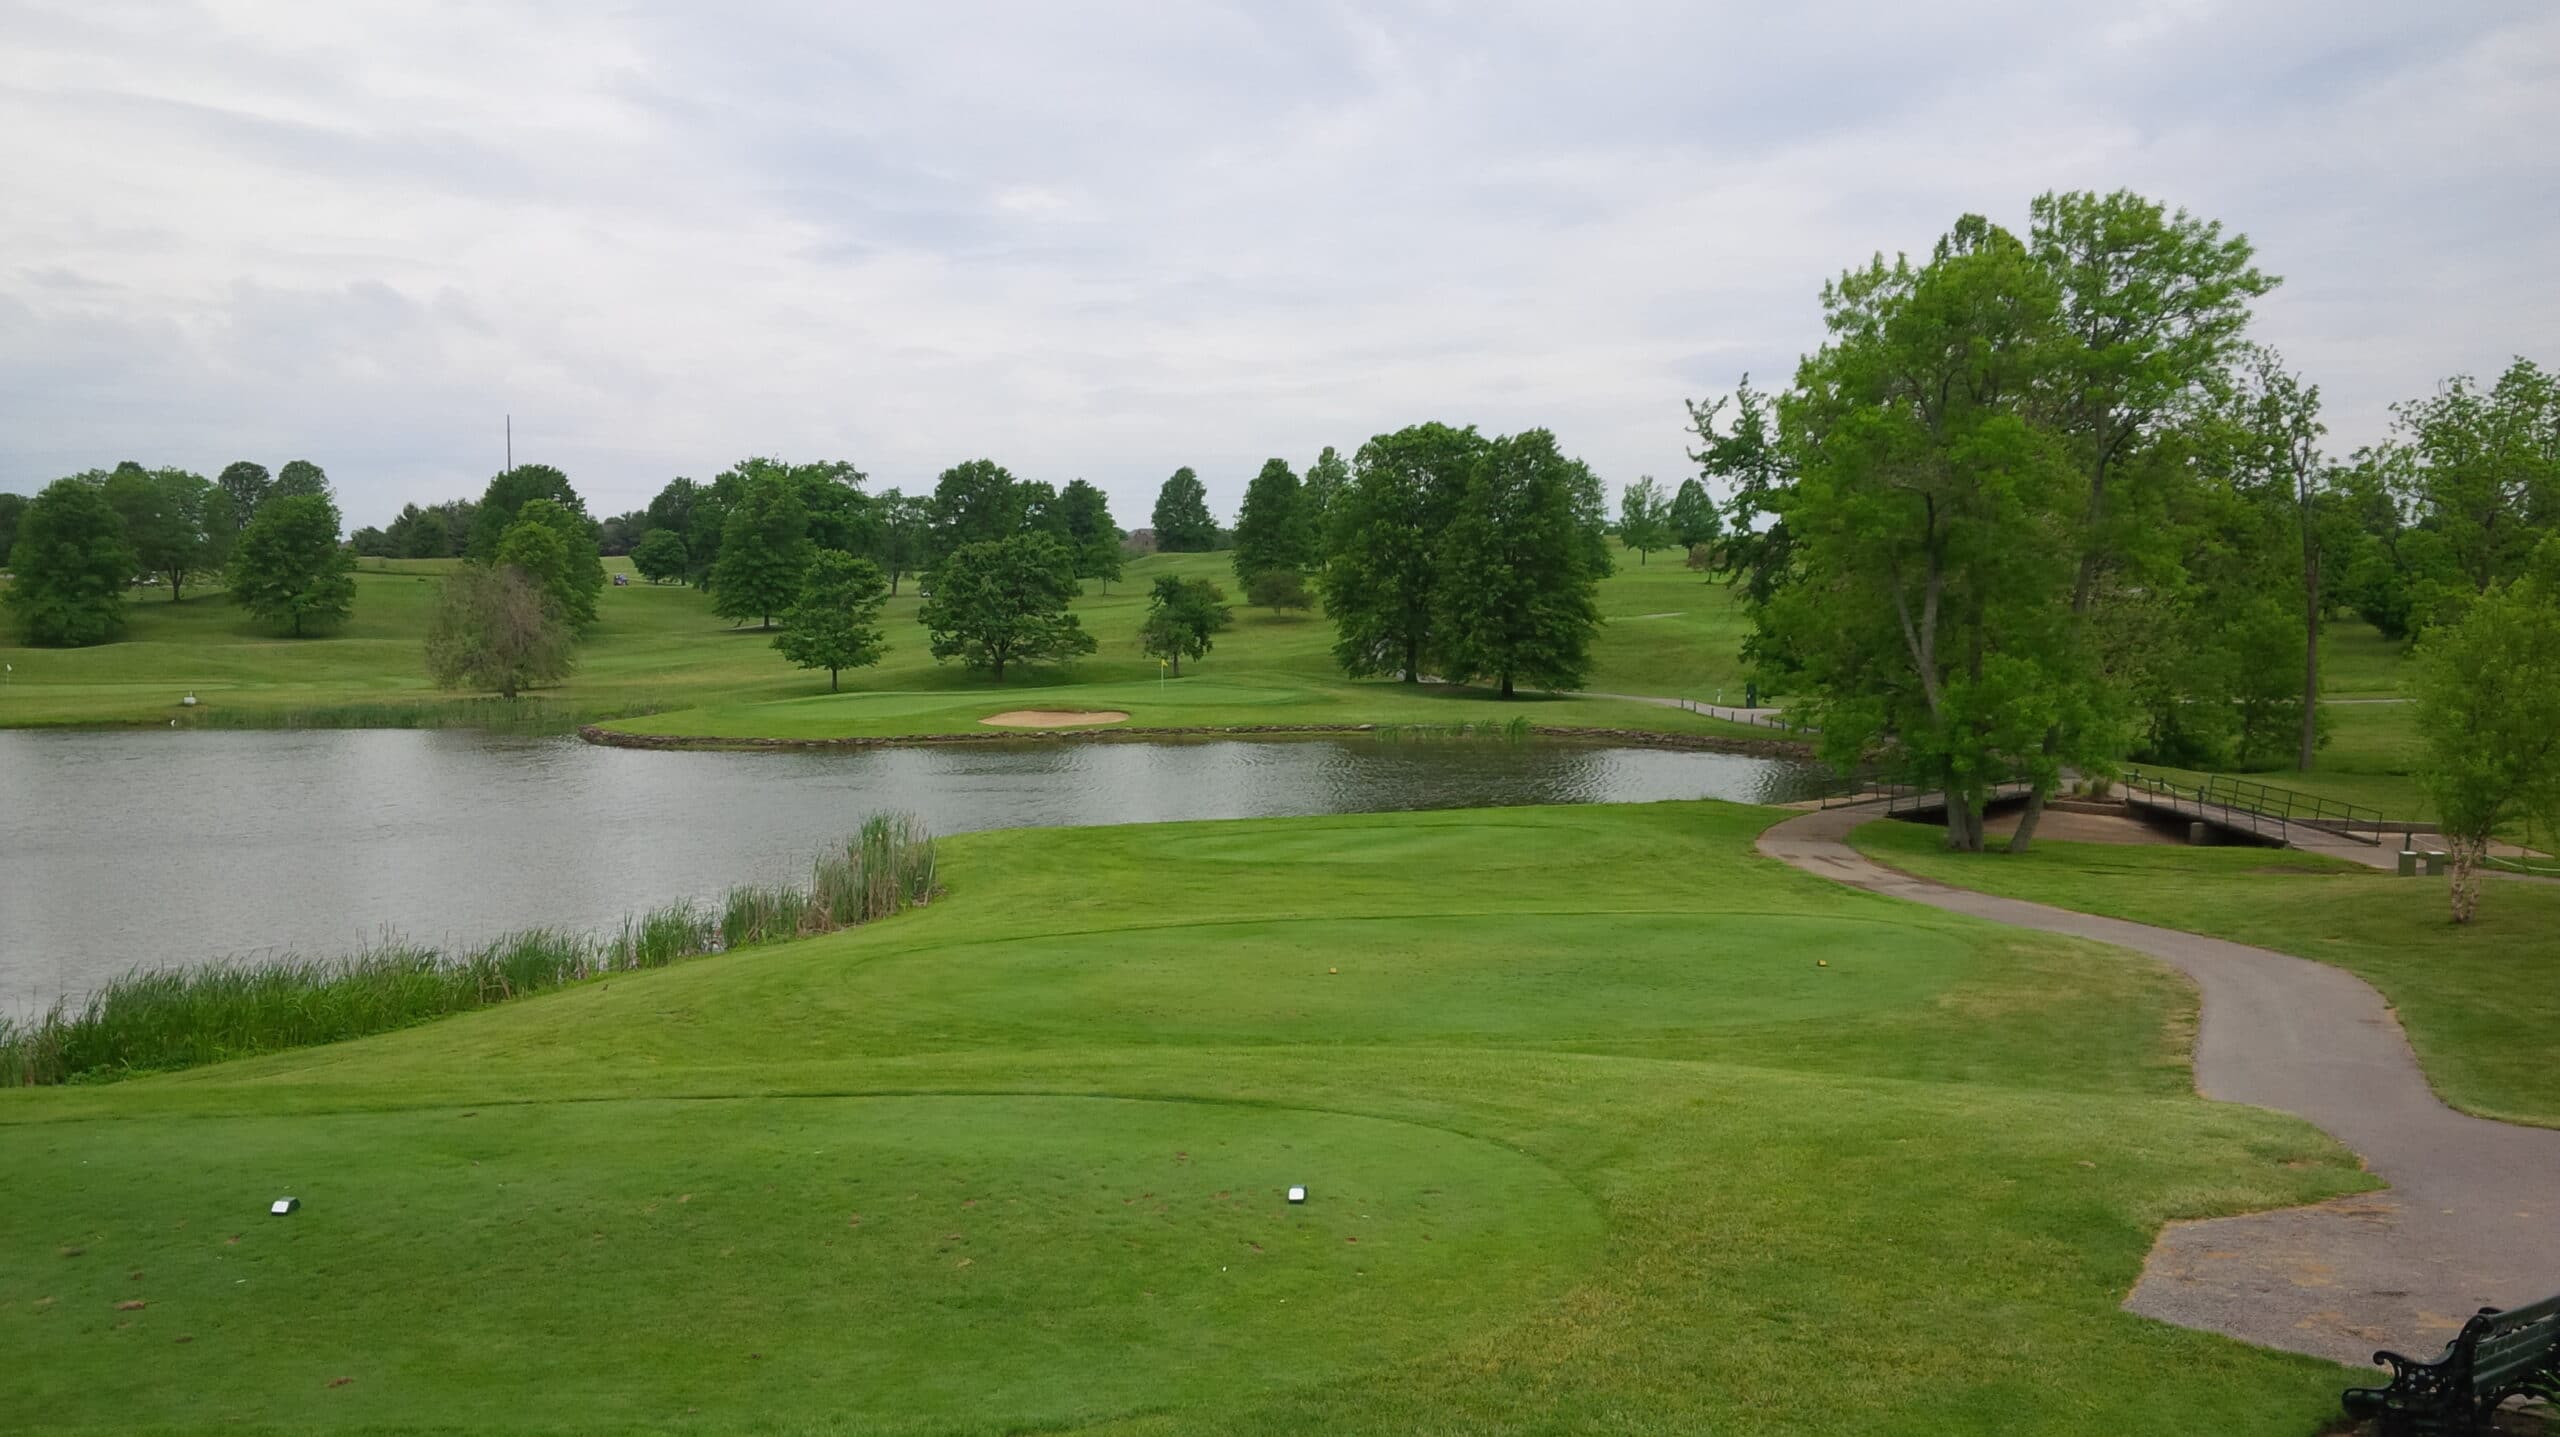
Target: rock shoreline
{"x":1643,"y":738}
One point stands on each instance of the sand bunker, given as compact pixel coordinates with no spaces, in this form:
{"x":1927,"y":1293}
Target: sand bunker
{"x":1054,"y":718}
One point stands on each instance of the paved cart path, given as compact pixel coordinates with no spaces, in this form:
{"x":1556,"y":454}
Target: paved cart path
{"x":2472,"y":1214}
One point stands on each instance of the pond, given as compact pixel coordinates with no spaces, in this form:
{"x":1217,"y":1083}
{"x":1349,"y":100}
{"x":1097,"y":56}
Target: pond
{"x":152,"y":849}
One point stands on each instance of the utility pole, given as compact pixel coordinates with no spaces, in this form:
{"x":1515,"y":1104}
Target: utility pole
{"x":511,"y":441}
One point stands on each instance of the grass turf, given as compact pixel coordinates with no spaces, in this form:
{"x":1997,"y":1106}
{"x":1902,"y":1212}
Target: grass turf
{"x":660,"y":648}
{"x":2480,"y":1002}
{"x":1608,"y":1123}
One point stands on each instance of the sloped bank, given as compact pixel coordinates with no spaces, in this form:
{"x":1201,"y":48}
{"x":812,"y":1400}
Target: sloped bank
{"x":1635,"y":737}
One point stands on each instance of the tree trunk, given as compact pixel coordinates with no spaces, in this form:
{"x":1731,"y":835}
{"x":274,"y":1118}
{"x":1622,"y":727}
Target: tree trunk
{"x":2027,"y":821}
{"x":1506,"y":686}
{"x":1413,"y":661}
{"x":2467,"y":850}
{"x":831,"y":682}
{"x":2310,"y":652}
{"x":1177,"y":665}
{"x":998,"y":665}
{"x":1964,"y":823}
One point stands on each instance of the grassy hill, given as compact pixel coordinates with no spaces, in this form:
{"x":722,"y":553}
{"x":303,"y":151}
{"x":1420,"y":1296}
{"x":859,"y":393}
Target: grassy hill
{"x":661,"y":648}
{"x":1607,"y":1123}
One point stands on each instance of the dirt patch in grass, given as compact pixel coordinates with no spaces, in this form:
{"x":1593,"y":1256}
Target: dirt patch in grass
{"x":2080,"y":828}
{"x":1054,"y":718}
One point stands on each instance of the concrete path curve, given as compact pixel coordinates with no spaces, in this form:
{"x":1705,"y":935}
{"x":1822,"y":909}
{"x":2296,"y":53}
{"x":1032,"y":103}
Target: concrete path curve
{"x":2472,"y":1216}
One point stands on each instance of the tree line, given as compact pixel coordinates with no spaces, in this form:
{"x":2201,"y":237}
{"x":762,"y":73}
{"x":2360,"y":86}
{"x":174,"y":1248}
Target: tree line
{"x":76,"y":547}
{"x":2040,"y":501}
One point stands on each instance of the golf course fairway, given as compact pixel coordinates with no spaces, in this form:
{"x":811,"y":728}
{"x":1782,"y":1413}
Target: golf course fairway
{"x":1606,"y":1124}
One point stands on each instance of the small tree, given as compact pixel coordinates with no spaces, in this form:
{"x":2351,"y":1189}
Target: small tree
{"x":1004,"y":601}
{"x":660,"y":556}
{"x":1644,"y":519}
{"x":1181,"y":615}
{"x":1182,"y":522}
{"x":2488,"y":704}
{"x":71,"y":563}
{"x":1279,"y":589}
{"x":764,"y":551}
{"x":836,"y":623}
{"x":495,"y":628}
{"x":288,"y":567}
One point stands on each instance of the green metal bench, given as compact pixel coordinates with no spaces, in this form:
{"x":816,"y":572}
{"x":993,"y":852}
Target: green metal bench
{"x":2496,"y":1355}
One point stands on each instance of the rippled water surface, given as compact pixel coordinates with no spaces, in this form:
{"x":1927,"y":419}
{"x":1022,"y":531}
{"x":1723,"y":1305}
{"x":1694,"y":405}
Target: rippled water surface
{"x":126,"y":849}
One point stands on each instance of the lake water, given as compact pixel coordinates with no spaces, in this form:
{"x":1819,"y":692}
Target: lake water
{"x":149,"y":849}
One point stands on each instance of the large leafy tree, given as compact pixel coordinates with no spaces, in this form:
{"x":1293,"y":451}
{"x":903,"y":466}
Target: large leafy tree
{"x":2150,"y":307}
{"x":1738,"y":446}
{"x":1183,"y":615}
{"x":13,"y":507}
{"x":70,"y":563}
{"x":1383,"y":568}
{"x":835,"y":623}
{"x":899,"y":540}
{"x":248,"y":485}
{"x":302,"y":479}
{"x":764,"y":552}
{"x":2488,"y":705}
{"x":178,"y":523}
{"x":840,"y":517}
{"x":1181,"y":517}
{"x":494,"y":627}
{"x":1644,"y":518}
{"x":976,"y":502}
{"x":442,"y":531}
{"x":558,"y":548}
{"x":508,"y":493}
{"x":1325,"y":479}
{"x":1273,"y":530}
{"x":288,"y":567}
{"x":1694,"y":518}
{"x":1930,"y":525}
{"x":1086,"y":514}
{"x":2270,"y":431}
{"x":1000,"y":602}
{"x":2479,"y":468}
{"x":1518,"y":599}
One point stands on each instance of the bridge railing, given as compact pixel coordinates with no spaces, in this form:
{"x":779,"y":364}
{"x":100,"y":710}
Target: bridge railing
{"x":2259,"y":808}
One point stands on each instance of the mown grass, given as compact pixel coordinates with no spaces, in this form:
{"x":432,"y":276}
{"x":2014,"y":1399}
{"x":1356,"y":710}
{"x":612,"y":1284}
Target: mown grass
{"x":1608,"y":1124}
{"x":164,"y":1019}
{"x":658,"y":649}
{"x":2480,"y":1002}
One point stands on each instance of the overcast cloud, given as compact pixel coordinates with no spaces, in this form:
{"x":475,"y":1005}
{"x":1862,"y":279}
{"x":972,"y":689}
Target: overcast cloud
{"x":1109,"y":239}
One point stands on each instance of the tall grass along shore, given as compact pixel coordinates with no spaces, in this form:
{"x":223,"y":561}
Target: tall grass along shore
{"x":156,"y":1020}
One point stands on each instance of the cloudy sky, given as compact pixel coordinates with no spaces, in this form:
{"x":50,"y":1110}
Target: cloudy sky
{"x":1108,"y":239}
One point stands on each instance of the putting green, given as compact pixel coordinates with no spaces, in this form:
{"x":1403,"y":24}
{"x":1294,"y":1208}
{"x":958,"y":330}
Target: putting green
{"x":925,"y":1262}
